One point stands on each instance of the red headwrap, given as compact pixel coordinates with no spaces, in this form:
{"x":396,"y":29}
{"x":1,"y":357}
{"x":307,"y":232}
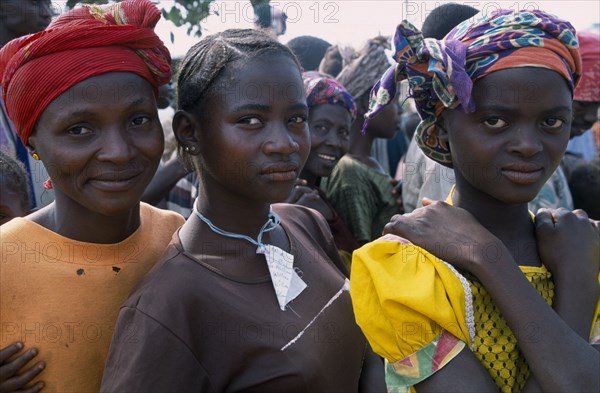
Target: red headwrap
{"x":589,"y":86}
{"x":80,"y":44}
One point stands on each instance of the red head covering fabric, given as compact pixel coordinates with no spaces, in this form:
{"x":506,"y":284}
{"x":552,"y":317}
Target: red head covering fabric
{"x":78,"y":45}
{"x":589,"y":85}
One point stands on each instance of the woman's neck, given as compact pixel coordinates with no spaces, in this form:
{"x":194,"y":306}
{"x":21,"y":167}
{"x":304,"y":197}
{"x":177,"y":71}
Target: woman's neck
{"x":73,"y":221}
{"x":512,"y":224}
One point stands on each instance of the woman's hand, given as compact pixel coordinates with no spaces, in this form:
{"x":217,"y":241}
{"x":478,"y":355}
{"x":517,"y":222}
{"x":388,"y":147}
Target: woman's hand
{"x":569,"y":244}
{"x":450,"y":233}
{"x":13,"y":376}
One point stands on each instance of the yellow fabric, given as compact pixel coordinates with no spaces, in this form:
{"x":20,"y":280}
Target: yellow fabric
{"x":403,"y":297}
{"x":63,"y":296}
{"x":495,"y":344}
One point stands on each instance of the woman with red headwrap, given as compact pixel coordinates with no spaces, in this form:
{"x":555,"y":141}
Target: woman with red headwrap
{"x":82,"y":96}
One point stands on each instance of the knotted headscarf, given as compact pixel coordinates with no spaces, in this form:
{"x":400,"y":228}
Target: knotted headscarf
{"x":588,"y":88}
{"x":80,"y":44}
{"x":441,"y":73}
{"x":322,"y":89}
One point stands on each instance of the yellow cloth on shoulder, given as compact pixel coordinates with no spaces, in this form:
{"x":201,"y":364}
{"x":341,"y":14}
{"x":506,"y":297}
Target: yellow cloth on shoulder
{"x":404,"y":296}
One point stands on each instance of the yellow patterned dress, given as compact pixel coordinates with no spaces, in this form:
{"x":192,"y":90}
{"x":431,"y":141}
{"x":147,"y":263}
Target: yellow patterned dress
{"x":419,"y":312}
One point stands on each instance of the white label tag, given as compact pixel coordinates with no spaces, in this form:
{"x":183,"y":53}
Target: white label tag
{"x":288,"y":285}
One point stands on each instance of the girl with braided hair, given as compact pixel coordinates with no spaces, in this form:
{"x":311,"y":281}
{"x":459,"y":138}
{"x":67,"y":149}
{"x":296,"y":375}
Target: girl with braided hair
{"x":250,"y":295}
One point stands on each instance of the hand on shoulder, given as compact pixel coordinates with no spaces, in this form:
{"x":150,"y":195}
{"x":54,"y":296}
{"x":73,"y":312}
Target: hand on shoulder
{"x":448,"y":232}
{"x":569,"y":244}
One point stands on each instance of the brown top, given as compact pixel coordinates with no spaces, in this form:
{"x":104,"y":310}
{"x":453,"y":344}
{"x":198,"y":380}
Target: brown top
{"x":190,"y":327}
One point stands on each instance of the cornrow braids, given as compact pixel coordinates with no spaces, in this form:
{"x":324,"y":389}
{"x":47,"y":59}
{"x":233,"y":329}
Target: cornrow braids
{"x":207,"y":60}
{"x":13,"y":177}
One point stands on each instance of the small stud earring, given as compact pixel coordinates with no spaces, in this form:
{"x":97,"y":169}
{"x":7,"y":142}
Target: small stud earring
{"x":35,"y":156}
{"x":190,"y":149}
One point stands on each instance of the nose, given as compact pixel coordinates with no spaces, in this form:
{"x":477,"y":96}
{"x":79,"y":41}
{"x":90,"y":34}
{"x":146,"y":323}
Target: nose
{"x":281,"y":141}
{"x":526,"y":141}
{"x":116,"y":147}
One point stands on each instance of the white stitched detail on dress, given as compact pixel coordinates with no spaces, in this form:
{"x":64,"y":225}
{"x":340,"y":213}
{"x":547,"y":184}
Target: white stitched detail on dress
{"x":470,"y":317}
{"x":345,"y":287}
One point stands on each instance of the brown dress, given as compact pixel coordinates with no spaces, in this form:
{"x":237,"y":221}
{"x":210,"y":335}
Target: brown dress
{"x":188,"y":327}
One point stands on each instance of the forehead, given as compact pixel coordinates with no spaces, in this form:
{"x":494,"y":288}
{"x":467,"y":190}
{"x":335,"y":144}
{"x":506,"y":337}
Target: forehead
{"x":103,"y":91}
{"x":270,"y":78}
{"x":525,"y":86}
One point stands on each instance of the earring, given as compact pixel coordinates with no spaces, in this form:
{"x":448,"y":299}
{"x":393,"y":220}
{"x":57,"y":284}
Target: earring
{"x":35,"y":156}
{"x":190,"y":149}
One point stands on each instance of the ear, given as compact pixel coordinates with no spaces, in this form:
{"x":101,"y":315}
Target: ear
{"x":186,"y":129}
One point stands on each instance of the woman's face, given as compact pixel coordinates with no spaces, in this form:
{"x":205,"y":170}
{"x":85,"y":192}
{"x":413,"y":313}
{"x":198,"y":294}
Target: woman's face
{"x":254,"y":138}
{"x":329,"y":126}
{"x":101,"y":142}
{"x":516,"y":137}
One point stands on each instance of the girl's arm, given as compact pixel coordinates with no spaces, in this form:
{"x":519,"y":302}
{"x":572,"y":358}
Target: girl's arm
{"x":372,"y":376}
{"x":559,"y":357}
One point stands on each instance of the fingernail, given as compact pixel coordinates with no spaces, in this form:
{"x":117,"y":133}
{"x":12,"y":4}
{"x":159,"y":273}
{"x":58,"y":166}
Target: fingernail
{"x":19,"y":345}
{"x":33,"y":351}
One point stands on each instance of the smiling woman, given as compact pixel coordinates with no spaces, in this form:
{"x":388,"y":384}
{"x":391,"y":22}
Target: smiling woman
{"x":82,"y":97}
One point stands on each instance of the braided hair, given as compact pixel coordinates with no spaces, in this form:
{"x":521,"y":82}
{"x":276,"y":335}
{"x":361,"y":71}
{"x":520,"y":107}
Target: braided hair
{"x":207,"y":60}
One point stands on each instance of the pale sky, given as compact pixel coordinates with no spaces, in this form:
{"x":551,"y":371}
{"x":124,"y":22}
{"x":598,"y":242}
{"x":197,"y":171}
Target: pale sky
{"x":352,"y":22}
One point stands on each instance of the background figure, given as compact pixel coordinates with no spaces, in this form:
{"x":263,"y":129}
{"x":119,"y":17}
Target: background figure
{"x":585,"y":187}
{"x":309,"y":50}
{"x":269,"y":17}
{"x":360,"y":187}
{"x":14,"y":190}
{"x":331,"y":111}
{"x":19,"y":18}
{"x":586,"y":105}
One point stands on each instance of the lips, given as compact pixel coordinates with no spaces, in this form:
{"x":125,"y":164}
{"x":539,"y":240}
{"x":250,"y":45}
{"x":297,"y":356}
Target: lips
{"x":115,"y":180}
{"x":281,"y":171}
{"x":523,"y":173}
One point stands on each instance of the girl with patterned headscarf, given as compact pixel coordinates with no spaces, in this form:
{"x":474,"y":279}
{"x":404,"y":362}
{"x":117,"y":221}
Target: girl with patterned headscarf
{"x":82,"y":96}
{"x":331,"y":113}
{"x":476,"y":293}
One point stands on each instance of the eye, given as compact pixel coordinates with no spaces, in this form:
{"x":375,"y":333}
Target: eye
{"x":553,"y":122}
{"x":79,"y":130}
{"x":495,"y":122}
{"x":321,"y":129}
{"x":250,"y":120}
{"x":138,"y":121}
{"x":298,"y":119}
{"x":344,"y":133}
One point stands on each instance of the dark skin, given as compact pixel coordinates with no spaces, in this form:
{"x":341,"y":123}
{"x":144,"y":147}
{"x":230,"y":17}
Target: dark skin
{"x":99,"y":165}
{"x":519,"y":144}
{"x":22,"y":17}
{"x":330,"y":132}
{"x":274,"y":131}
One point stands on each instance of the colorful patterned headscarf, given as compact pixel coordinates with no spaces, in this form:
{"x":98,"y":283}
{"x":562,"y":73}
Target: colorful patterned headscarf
{"x":79,"y":44}
{"x":588,"y":88}
{"x":323,"y":89}
{"x":441,"y":73}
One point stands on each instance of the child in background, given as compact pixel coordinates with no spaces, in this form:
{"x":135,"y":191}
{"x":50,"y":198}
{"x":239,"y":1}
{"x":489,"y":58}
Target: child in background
{"x":250,"y":295}
{"x":82,"y":96}
{"x":476,"y":294}
{"x":360,"y":187}
{"x":14,"y":189}
{"x":331,"y":111}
